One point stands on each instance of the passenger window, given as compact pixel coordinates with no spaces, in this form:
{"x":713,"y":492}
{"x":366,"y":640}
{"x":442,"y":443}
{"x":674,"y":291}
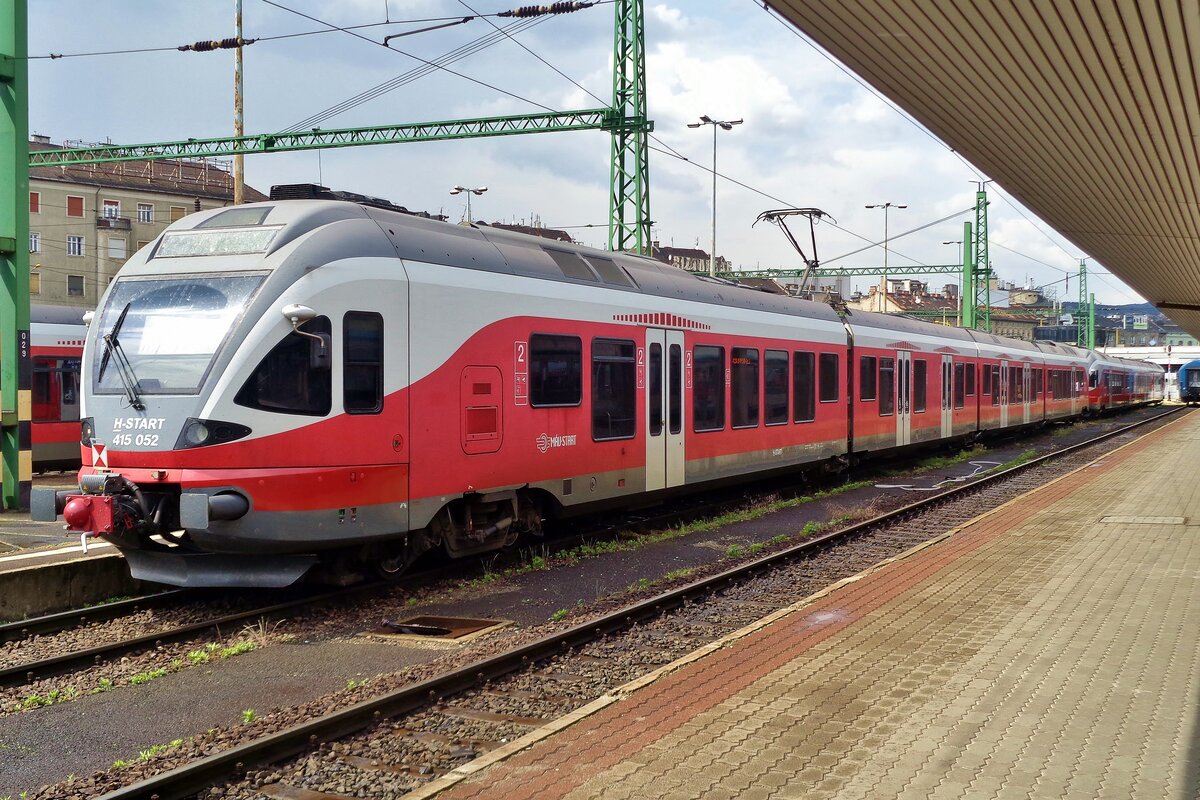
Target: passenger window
{"x":655,"y":389}
{"x":987,"y":379}
{"x":887,"y":386}
{"x":996,"y":387}
{"x":555,"y":370}
{"x":970,"y":380}
{"x":675,"y":389}
{"x":804,"y":386}
{"x":866,"y":378}
{"x":960,"y":383}
{"x":362,"y":366}
{"x":614,"y":389}
{"x":775,"y":387}
{"x":708,"y":388}
{"x":829,"y":378}
{"x":745,"y":387}
{"x":919,"y":388}
{"x":294,"y":378}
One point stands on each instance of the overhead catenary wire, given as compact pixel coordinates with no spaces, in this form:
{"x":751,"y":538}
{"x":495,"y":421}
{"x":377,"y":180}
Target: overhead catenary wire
{"x":410,"y":55}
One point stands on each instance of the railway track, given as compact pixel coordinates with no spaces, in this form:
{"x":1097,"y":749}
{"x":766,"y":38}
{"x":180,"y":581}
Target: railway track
{"x":75,"y":658}
{"x":419,"y":731}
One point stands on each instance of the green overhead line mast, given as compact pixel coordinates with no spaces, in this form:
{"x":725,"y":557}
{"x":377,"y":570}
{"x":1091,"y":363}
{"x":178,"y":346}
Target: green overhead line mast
{"x":1085,"y":311}
{"x":15,"y":367}
{"x":981,"y":289}
{"x":629,"y":197}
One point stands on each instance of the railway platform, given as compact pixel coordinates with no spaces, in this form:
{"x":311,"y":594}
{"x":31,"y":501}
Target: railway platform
{"x":1047,"y":649}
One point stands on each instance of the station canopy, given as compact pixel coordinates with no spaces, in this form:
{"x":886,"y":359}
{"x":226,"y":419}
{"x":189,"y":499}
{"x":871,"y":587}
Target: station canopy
{"x":1087,"y":112}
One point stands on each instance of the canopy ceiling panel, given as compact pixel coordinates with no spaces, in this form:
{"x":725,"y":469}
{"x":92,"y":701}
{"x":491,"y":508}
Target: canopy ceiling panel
{"x":1087,"y":112}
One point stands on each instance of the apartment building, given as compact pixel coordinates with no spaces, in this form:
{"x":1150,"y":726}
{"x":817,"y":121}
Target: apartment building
{"x":86,"y":220}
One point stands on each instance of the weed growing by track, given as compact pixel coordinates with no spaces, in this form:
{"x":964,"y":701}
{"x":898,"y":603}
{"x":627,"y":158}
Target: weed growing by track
{"x":212,"y":651}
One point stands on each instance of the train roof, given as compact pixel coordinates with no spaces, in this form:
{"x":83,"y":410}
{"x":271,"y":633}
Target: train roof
{"x":57,"y":315}
{"x":481,"y":248}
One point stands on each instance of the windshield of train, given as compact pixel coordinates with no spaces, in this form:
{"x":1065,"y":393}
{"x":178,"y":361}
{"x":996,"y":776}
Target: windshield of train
{"x":160,"y":336}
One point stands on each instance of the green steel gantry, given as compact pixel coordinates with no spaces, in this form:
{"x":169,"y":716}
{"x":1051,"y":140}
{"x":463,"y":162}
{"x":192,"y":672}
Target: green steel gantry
{"x":629,"y":195}
{"x":16,"y":458}
{"x":1085,"y":311}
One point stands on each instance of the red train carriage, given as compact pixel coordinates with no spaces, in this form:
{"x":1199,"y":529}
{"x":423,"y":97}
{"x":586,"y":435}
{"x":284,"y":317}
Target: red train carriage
{"x":56,"y":348}
{"x":1115,"y":383}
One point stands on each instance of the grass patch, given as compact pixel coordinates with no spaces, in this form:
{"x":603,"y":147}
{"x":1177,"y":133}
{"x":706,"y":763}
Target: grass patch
{"x":560,"y":615}
{"x":1024,"y":458}
{"x":147,"y":676}
{"x":51,"y":697}
{"x":940,"y":462}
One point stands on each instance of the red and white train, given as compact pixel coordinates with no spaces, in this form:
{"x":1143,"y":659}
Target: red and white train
{"x":56,"y":336}
{"x":320,"y":383}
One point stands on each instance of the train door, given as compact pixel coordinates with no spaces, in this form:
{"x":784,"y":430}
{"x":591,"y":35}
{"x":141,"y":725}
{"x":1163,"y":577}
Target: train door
{"x":947,"y":397}
{"x":1003,"y":389}
{"x":903,"y":397}
{"x":1026,"y":392}
{"x":664,"y":409}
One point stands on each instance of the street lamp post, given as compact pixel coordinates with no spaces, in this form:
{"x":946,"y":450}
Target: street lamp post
{"x":724,"y":125}
{"x":958,"y":321}
{"x":885,"y":207}
{"x":461,"y":189}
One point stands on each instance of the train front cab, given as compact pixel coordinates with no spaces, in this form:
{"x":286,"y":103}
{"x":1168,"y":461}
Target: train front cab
{"x":1189,"y":383}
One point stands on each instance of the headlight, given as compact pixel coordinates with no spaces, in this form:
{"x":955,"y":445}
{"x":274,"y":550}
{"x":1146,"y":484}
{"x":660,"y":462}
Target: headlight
{"x":195,"y":434}
{"x":87,"y":431}
{"x":204,"y":432}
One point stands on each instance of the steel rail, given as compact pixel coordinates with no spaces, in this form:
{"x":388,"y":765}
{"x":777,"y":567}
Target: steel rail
{"x":190,"y":779}
{"x":19,"y":674}
{"x":72,"y":618}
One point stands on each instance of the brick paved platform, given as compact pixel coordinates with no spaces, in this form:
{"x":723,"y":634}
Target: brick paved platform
{"x":1049,"y":649}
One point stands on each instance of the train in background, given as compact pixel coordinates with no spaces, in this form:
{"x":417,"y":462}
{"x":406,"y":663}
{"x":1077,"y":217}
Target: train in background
{"x":328,"y":387}
{"x":1189,"y":383}
{"x":56,"y":336}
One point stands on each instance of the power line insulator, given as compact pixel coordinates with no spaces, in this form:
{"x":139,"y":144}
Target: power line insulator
{"x":553,"y":8}
{"x":216,"y":44}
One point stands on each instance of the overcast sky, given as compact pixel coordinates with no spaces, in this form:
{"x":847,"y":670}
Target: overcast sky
{"x":812,"y":136}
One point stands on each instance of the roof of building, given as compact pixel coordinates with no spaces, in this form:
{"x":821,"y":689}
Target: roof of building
{"x":667,"y":253}
{"x":532,"y":230}
{"x":191,"y":177}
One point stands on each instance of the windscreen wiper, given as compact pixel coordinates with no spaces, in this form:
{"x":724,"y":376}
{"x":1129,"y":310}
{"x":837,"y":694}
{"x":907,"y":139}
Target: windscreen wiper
{"x":112,"y":348}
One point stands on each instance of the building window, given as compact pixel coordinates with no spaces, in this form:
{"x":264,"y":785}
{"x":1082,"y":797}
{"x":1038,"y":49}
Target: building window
{"x":74,"y":206}
{"x":829,"y":378}
{"x":116,"y":249}
{"x":614,"y":389}
{"x":178,"y":213}
{"x":708,"y":392}
{"x":74,"y":286}
{"x":362,"y":365}
{"x":35,"y":283}
{"x":35,"y":242}
{"x":555,"y":370}
{"x":145,"y":212}
{"x":75,"y":245}
{"x":775,"y":387}
{"x":35,"y":202}
{"x":112,"y":209}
